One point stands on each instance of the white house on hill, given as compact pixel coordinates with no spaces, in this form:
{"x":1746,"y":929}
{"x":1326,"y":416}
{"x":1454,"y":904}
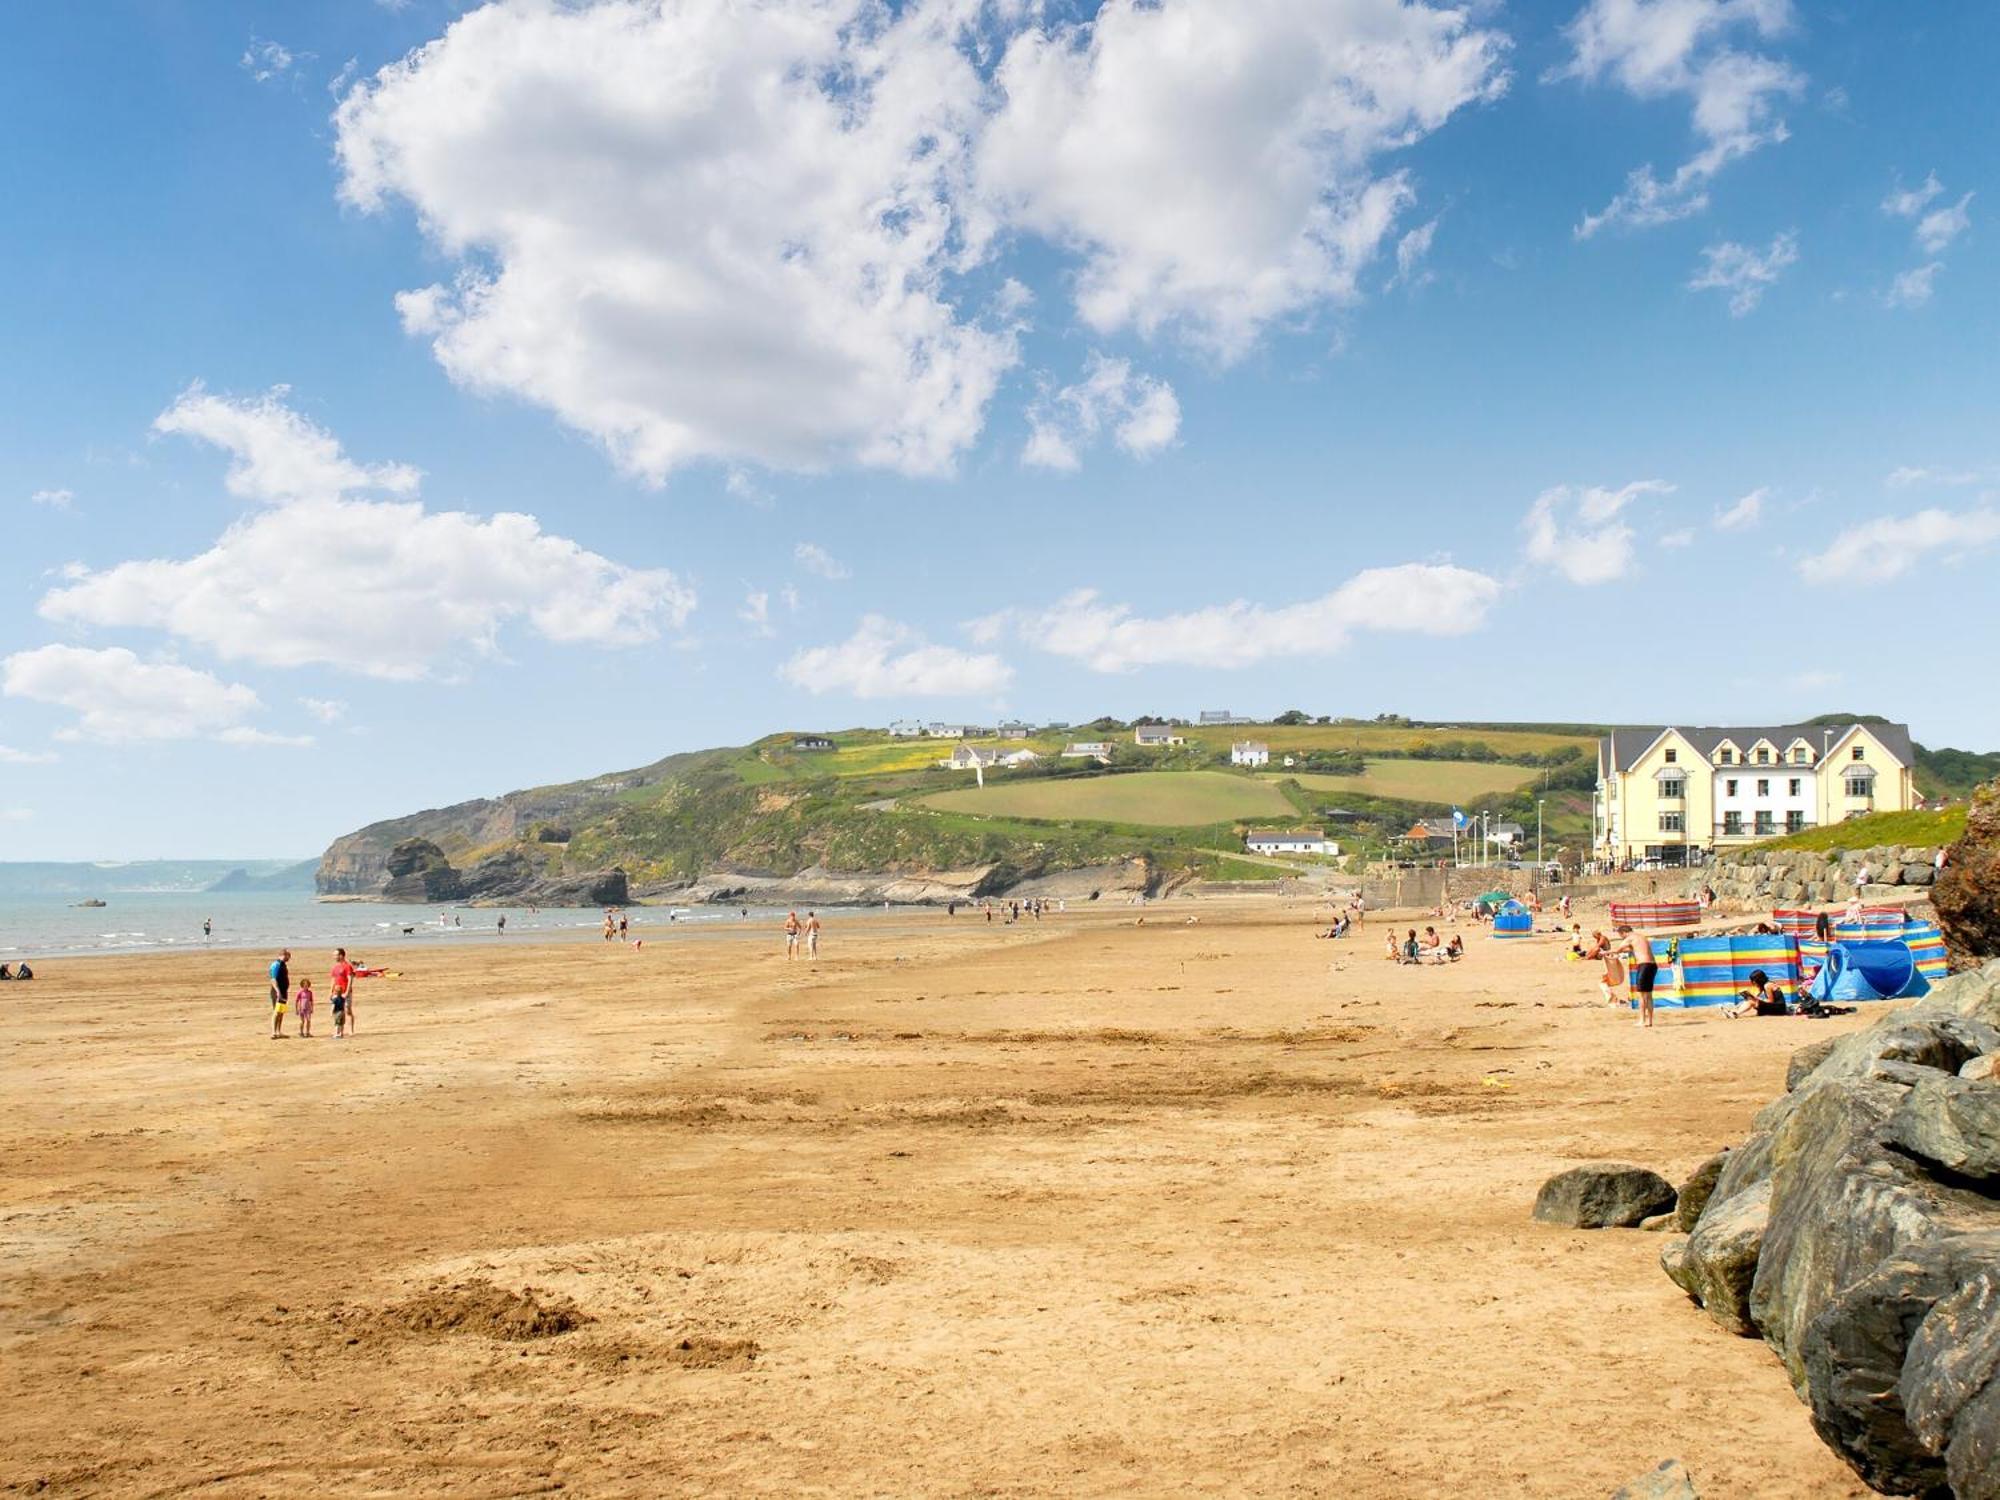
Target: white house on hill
{"x":971,"y":757}
{"x":1156,"y":734}
{"x":1289,"y":841}
{"x":1249,"y":753}
{"x":1087,"y":750}
{"x":906,"y":729}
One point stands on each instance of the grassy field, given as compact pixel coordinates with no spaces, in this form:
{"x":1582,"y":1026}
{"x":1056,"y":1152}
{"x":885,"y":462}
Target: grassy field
{"x":1434,"y":781}
{"x":1158,"y":799}
{"x":1920,"y":829}
{"x":1380,"y":737}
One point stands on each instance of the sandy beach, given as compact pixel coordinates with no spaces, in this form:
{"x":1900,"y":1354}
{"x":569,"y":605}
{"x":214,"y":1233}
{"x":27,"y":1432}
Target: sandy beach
{"x":1077,"y":1207}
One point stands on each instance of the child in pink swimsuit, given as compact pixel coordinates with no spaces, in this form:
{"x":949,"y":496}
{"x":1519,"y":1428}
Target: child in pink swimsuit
{"x":302,"y":1003}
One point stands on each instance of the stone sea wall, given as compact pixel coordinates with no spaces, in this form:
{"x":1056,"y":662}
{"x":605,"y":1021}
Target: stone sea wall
{"x":1763,"y":878}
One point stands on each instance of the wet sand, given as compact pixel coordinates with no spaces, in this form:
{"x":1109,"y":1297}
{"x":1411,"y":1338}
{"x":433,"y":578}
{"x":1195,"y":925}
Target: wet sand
{"x":1075,"y":1208}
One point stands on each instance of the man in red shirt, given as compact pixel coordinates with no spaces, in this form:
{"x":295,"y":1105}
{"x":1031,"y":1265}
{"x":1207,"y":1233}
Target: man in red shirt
{"x":343,"y":993}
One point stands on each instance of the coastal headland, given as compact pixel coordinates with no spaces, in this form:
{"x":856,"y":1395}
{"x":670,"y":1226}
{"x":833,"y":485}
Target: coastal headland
{"x":1080,"y":1206}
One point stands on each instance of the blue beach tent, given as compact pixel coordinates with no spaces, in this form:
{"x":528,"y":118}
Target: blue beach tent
{"x":1868,"y":971}
{"x":1513,"y":921}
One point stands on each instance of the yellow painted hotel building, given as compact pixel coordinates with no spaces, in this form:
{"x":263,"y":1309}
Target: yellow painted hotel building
{"x":1665,"y":791}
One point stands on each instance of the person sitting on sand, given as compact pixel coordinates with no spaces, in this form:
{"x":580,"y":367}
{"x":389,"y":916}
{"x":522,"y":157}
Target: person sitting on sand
{"x":22,"y":971}
{"x":6,"y":972}
{"x":1455,"y":949}
{"x":1395,"y":949}
{"x":1763,"y":998}
{"x":1412,"y":950}
{"x":1433,"y":945}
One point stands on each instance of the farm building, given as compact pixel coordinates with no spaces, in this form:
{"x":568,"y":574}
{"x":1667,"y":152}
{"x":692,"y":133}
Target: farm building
{"x":1212,"y":716}
{"x":812,"y":742}
{"x":1289,"y":841}
{"x":1014,"y":729}
{"x":1156,"y":734}
{"x":1249,"y":753}
{"x":1087,"y":750}
{"x":906,"y":729}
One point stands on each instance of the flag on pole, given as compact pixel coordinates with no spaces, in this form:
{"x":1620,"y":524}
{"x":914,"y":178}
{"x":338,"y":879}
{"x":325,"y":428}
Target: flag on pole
{"x":1457,"y":818}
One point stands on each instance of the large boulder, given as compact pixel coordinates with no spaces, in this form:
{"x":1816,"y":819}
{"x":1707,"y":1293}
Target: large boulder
{"x":418,"y":871}
{"x":1719,"y":1265}
{"x":1603,"y":1195}
{"x":1693,"y":1195}
{"x":1951,"y":1382}
{"x":504,"y":874}
{"x":1952,"y":1122}
{"x":1842,"y":1201}
{"x":1983,"y":1069}
{"x":1861,"y":1381}
{"x":1967,"y":890}
{"x":1928,"y":1037}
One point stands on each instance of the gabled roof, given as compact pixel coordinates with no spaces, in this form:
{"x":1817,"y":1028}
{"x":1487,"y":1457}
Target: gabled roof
{"x":1630,"y":743}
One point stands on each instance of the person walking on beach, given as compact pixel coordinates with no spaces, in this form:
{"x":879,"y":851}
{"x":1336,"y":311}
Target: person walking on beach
{"x":281,"y":991}
{"x":1645,"y":969}
{"x":503,"y":924}
{"x":343,"y":994}
{"x":207,"y":928}
{"x":610,"y":925}
{"x":624,"y":929}
{"x":812,"y":934}
{"x":792,"y":930}
{"x":304,"y":1006}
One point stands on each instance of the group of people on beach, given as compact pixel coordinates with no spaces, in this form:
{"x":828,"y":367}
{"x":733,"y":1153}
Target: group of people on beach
{"x":342,"y":977}
{"x":799,"y":933}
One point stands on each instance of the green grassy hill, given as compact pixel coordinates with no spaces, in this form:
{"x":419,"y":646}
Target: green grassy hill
{"x":871,"y":803}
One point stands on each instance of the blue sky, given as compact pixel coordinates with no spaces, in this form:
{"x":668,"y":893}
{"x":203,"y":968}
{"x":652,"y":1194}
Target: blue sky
{"x":960,"y":359}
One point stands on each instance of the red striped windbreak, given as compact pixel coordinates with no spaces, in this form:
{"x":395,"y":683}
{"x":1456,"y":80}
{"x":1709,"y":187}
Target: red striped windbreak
{"x":1655,"y":913}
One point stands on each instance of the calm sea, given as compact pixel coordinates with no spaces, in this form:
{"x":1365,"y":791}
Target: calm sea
{"x":40,"y":927}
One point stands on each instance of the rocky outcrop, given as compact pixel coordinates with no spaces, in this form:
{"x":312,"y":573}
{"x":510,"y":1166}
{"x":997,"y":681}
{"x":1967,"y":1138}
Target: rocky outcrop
{"x":1603,"y":1195}
{"x":417,"y":871}
{"x":1967,"y":893}
{"x":816,"y":886}
{"x":1858,"y":1211}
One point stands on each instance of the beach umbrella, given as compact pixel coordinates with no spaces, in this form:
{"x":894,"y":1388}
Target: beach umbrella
{"x":1495,"y":898}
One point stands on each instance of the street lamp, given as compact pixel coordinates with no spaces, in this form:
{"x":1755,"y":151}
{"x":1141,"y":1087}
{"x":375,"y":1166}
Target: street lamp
{"x":1538,"y":831}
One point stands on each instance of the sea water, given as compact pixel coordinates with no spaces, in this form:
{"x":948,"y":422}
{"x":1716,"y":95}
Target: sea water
{"x":36,"y":928}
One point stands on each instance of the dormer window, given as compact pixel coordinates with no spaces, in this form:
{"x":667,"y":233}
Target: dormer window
{"x":1726,"y":757}
{"x":1763,"y":757}
{"x":1801,"y":755}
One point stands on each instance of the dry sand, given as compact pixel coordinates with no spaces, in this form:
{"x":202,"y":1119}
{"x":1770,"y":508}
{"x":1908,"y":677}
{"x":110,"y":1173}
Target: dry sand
{"x":1075,"y":1208}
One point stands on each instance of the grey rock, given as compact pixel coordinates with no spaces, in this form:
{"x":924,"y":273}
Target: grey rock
{"x":1953,"y":1122}
{"x":1859,"y":1378}
{"x":1918,"y":874}
{"x":1670,"y":1481}
{"x":1983,"y":1069}
{"x":1673,"y":1260}
{"x":1603,"y":1195}
{"x":1953,"y":1363}
{"x":1695,"y":1192}
{"x":1720,"y":1263}
{"x":1929,"y":1038}
{"x":1841,"y":1202}
{"x":1808,"y":1058}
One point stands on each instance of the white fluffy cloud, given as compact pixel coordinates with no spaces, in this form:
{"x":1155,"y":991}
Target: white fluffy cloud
{"x":1216,"y":165}
{"x":1890,"y":546}
{"x":816,"y":560}
{"x":756,"y":612}
{"x":53,"y":499}
{"x":738,"y":230}
{"x":714,"y":230}
{"x":1662,"y":49}
{"x":1745,"y":513}
{"x":275,"y":454}
{"x":1414,"y":598}
{"x":9,"y":756}
{"x":264,"y":61}
{"x":118,"y":697}
{"x":326,"y":710}
{"x":1914,"y":287}
{"x":1934,"y":232}
{"x":382,"y":587}
{"x":885,"y":659}
{"x":1744,"y":272}
{"x":1581,"y":531}
{"x":1141,"y":412}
